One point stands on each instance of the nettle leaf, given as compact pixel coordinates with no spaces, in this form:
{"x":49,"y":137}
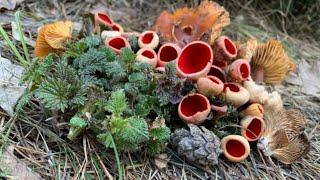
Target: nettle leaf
{"x":144,"y":105}
{"x":128,"y":57}
{"x":117,"y":103}
{"x":161,"y":134}
{"x":115,"y":69}
{"x":91,"y":41}
{"x":106,"y":139}
{"x":78,"y":122}
{"x":53,"y":93}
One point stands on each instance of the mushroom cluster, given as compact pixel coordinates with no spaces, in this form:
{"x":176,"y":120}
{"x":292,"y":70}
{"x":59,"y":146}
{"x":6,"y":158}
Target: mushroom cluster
{"x":217,"y":67}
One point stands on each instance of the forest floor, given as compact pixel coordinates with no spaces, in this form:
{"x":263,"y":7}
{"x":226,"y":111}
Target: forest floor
{"x":36,"y":140}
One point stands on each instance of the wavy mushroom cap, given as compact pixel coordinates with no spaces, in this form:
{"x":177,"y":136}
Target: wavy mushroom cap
{"x":191,"y":24}
{"x":53,"y":37}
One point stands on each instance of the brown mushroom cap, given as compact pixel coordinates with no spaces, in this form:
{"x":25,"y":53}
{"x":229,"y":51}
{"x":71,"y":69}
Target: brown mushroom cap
{"x":52,"y":38}
{"x":185,"y":25}
{"x":271,"y":61}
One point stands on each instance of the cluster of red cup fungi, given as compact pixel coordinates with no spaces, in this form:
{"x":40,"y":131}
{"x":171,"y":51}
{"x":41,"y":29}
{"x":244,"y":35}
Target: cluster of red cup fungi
{"x":215,"y":71}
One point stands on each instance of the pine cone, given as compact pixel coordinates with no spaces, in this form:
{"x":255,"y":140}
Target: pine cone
{"x":200,"y":146}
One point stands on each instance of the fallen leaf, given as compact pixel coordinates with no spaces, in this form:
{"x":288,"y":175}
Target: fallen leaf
{"x":308,"y":77}
{"x":161,"y":161}
{"x":15,"y":168}
{"x":10,"y":89}
{"x":9,"y":4}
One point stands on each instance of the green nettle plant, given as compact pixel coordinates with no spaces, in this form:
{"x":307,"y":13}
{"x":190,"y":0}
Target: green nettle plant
{"x":115,"y":98}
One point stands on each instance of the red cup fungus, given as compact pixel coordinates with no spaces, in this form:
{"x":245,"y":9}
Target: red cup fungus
{"x":235,"y":148}
{"x":252,"y":127}
{"x":101,"y":18}
{"x":240,"y":70}
{"x":117,"y":27}
{"x":224,"y":49}
{"x":217,"y":72}
{"x":194,"y":108}
{"x":148,"y":39}
{"x":167,"y":53}
{"x":210,"y":85}
{"x":117,"y":43}
{"x":194,"y":60}
{"x":147,"y":55}
{"x":235,"y":94}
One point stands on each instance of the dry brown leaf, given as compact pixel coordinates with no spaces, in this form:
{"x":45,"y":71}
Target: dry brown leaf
{"x":270,"y":63}
{"x":15,"y":168}
{"x":185,"y":25}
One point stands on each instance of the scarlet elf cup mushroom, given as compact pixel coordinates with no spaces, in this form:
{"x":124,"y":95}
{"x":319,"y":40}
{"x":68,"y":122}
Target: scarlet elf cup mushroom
{"x":194,"y":60}
{"x":147,"y":55}
{"x":252,"y":127}
{"x":224,"y":49}
{"x":117,"y":43}
{"x":210,"y":85}
{"x":148,"y":39}
{"x":235,"y":148}
{"x":235,"y":94}
{"x":217,"y":72}
{"x":101,"y":18}
{"x":167,"y":53}
{"x":240,"y":70}
{"x":194,"y":108}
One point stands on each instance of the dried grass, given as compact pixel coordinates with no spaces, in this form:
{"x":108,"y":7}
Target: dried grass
{"x":39,"y":140}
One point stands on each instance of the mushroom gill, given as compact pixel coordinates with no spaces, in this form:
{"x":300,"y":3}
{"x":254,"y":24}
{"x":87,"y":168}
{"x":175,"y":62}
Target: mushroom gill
{"x":270,"y":63}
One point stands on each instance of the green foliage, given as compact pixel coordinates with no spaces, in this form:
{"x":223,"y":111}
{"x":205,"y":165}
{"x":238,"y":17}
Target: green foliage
{"x":169,"y":86}
{"x":38,"y":70}
{"x":128,"y":133}
{"x":159,"y":136}
{"x":112,"y":96}
{"x":77,"y":126}
{"x":62,"y":91}
{"x":133,"y":41}
{"x":117,"y":103}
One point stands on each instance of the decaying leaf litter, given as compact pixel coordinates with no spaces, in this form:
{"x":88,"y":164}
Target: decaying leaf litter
{"x":177,"y":167}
